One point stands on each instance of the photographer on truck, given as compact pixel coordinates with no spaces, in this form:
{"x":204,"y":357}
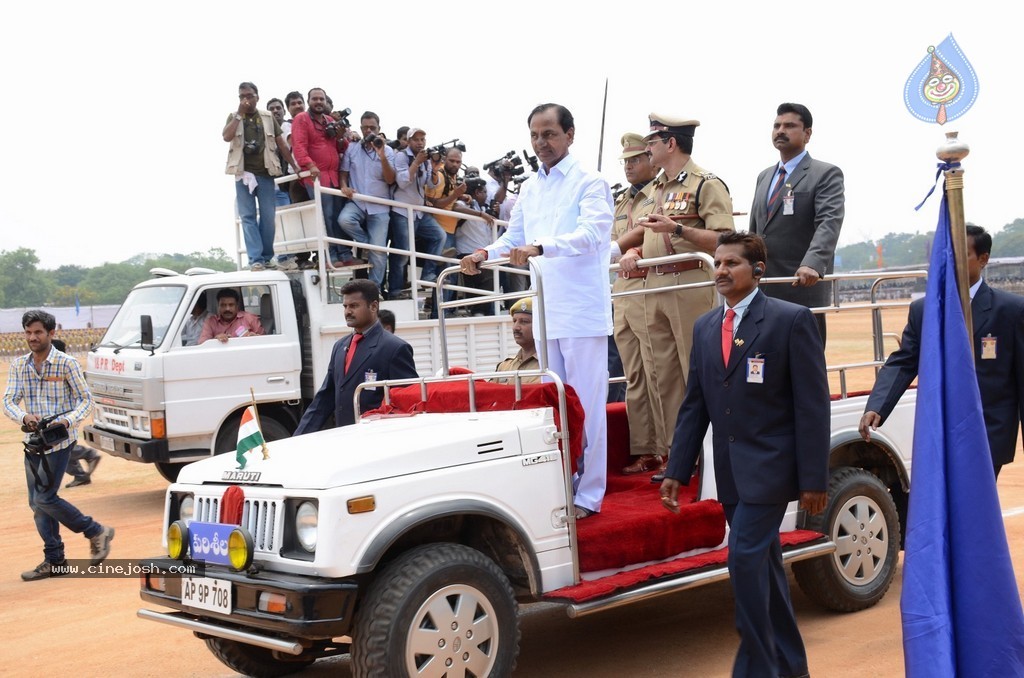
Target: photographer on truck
{"x":47,"y":394}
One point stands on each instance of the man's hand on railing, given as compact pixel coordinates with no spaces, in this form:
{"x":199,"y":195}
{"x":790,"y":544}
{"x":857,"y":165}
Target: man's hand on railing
{"x":469,"y":266}
{"x":658,"y":223}
{"x":628,"y":260}
{"x":314,"y":171}
{"x":806,"y":277}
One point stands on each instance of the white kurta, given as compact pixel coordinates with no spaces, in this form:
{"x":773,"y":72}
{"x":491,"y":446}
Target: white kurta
{"x":569,"y":212}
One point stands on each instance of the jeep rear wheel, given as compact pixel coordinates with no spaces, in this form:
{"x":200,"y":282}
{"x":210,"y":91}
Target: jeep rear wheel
{"x":255,"y":661}
{"x":438,"y":610}
{"x":862,"y":520}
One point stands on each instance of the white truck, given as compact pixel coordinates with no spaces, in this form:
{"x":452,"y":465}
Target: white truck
{"x":162,"y":402}
{"x":409,"y":541}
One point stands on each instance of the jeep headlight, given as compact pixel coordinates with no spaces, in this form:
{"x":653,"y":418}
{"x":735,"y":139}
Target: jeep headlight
{"x":186,"y":508}
{"x":306,"y":519}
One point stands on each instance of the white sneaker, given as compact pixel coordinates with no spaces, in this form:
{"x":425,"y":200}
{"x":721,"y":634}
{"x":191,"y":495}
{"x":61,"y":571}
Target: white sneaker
{"x":257,"y":267}
{"x":271,"y":264}
{"x":287,"y":265}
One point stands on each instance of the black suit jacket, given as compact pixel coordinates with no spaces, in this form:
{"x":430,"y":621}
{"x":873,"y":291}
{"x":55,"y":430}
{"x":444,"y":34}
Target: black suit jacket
{"x":771,"y":440}
{"x":807,"y":237}
{"x":379,"y":351}
{"x":996,"y":314}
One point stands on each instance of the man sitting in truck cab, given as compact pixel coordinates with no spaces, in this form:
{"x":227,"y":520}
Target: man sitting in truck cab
{"x":522,"y":332}
{"x":230,"y":321}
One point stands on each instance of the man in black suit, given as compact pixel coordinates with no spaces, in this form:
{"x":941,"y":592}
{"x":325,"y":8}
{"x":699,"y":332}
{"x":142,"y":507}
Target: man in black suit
{"x":798,"y":209}
{"x":757,"y":376}
{"x":998,"y":319}
{"x":368,"y":354}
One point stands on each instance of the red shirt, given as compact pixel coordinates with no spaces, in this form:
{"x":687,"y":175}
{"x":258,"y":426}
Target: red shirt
{"x":243,"y":322}
{"x":311,"y":145}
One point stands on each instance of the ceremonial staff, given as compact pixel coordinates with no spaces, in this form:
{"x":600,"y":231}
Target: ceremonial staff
{"x":951,"y":153}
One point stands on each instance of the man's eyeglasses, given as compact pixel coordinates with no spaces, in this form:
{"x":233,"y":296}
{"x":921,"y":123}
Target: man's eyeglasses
{"x":635,"y":160}
{"x":651,"y":142}
{"x":246,"y":96}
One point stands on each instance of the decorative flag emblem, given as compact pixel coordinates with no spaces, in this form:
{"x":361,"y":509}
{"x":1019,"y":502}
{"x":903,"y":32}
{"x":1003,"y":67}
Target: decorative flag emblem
{"x":943,"y":86}
{"x":249,"y":435}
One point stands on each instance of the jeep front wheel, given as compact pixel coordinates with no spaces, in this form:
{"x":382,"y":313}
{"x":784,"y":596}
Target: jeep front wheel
{"x":438,"y":610}
{"x":862,"y":520}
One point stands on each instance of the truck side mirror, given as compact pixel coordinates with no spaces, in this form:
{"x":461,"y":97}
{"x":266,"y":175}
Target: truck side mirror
{"x":146,"y":332}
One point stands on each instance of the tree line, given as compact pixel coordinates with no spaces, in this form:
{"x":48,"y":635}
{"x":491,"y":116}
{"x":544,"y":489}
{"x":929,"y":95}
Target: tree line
{"x":913,"y":249}
{"x":23,"y":283}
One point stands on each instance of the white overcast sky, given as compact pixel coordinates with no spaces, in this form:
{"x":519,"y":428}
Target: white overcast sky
{"x":114,"y":110}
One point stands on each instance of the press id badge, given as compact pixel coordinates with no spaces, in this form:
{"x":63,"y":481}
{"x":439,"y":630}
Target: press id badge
{"x":370,"y":375}
{"x":755,"y":370}
{"x":988,"y":348}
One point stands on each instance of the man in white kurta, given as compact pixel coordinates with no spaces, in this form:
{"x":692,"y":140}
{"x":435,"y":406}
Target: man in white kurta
{"x":564,"y":218}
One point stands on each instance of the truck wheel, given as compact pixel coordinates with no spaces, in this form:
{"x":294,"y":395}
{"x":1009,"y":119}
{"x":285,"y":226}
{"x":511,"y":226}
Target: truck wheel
{"x":440,"y":609}
{"x":862,"y":520}
{"x":170,"y":470}
{"x":227,"y":439}
{"x":255,"y":661}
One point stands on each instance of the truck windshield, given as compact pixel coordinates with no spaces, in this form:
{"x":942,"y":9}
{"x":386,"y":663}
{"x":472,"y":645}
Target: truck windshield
{"x":159,"y":303}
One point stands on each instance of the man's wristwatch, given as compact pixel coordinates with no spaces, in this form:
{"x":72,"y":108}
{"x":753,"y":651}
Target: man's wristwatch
{"x":540,"y":248}
{"x":238,"y":116}
{"x":678,"y":231}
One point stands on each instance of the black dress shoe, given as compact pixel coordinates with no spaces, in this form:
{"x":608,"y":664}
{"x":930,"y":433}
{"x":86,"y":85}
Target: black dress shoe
{"x":79,"y":480}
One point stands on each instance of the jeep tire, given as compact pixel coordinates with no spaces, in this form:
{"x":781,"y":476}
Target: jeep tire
{"x":443,"y":604}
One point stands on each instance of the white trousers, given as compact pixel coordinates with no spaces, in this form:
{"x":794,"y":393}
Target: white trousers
{"x":582,"y":362}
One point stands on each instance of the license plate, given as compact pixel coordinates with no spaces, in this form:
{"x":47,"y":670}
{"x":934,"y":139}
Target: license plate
{"x":107,"y":443}
{"x":207,"y":594}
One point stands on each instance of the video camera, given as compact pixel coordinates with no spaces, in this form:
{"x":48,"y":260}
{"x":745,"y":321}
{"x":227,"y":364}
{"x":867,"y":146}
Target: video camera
{"x":45,"y":434}
{"x":508,"y":166}
{"x":439,"y":151}
{"x":338,"y":123}
{"x":531,"y":160}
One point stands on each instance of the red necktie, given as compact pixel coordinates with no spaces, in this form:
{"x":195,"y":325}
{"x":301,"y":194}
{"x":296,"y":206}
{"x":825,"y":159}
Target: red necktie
{"x":727,"y":335}
{"x":352,"y":350}
{"x":777,"y":189}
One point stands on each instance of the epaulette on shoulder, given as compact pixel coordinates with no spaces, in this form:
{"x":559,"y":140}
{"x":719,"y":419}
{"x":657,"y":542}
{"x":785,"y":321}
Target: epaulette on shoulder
{"x":706,"y":175}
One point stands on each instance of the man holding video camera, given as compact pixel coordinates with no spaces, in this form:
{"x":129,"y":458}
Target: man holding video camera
{"x":47,"y":394}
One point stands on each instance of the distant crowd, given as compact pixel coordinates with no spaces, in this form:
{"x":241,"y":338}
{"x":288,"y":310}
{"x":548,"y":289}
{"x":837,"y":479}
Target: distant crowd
{"x":78,"y":341}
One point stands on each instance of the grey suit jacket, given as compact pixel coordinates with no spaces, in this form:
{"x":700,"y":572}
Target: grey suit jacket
{"x":807,"y":237}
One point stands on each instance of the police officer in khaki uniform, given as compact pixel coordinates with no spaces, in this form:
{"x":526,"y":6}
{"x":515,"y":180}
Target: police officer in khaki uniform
{"x":643,"y":401}
{"x":522,"y":333}
{"x":681,"y":189}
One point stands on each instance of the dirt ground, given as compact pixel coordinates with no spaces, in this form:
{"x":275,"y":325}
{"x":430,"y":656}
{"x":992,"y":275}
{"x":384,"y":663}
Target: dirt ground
{"x":88,"y":627}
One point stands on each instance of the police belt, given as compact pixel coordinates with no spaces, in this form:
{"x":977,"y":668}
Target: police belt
{"x":679,"y":267}
{"x":638,"y":274}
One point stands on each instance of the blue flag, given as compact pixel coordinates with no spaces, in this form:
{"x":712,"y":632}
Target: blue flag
{"x":78,"y":304}
{"x":960,"y":605}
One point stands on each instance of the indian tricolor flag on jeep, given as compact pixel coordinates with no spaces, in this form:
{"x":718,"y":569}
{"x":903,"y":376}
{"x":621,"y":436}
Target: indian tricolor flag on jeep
{"x":249,"y":435}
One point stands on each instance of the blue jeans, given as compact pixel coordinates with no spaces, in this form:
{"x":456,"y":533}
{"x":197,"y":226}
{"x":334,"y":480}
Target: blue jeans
{"x":49,"y":510}
{"x":331,"y":205}
{"x":371,"y":229}
{"x":259,"y":237}
{"x":430,"y":239}
{"x":281,"y":198}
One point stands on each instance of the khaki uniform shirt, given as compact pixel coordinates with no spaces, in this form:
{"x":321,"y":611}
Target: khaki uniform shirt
{"x":519,"y":362}
{"x":678,"y":195}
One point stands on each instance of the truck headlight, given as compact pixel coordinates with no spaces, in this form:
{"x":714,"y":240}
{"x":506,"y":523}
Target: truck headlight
{"x":306,"y":519}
